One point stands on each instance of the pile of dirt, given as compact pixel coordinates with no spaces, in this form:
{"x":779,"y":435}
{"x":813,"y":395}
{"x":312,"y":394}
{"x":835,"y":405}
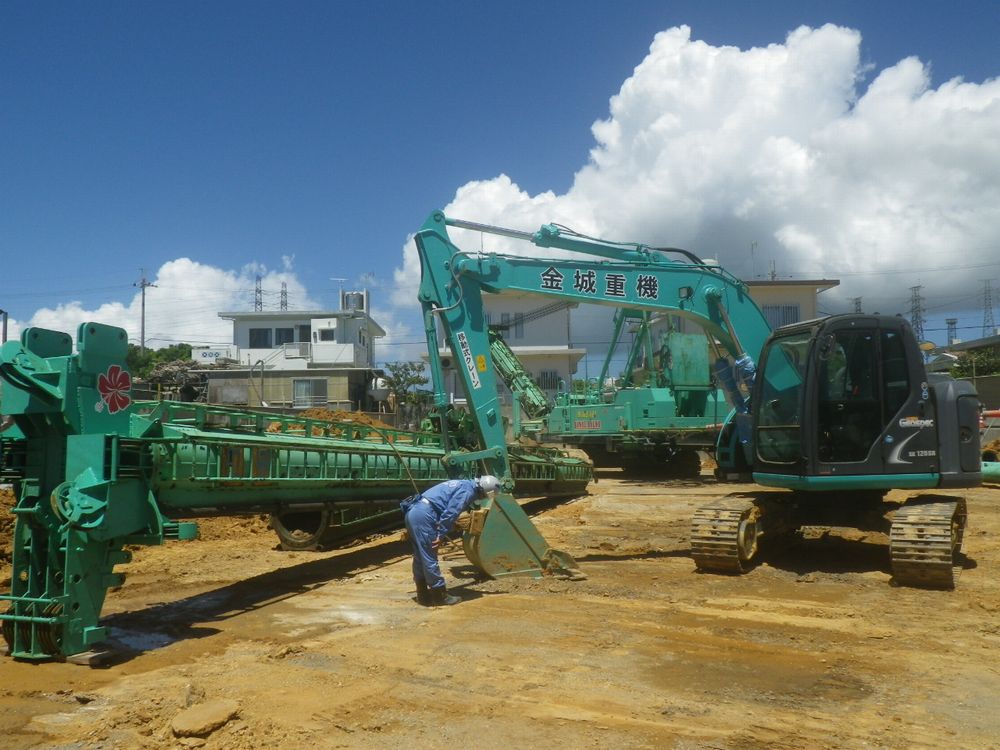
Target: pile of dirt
{"x":332,"y":415}
{"x":6,"y":532}
{"x":356,"y":417}
{"x":209,"y":529}
{"x":993,"y":446}
{"x":228,"y":527}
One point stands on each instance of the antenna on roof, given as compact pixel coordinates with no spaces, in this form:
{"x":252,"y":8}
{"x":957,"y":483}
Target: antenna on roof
{"x":341,"y":295}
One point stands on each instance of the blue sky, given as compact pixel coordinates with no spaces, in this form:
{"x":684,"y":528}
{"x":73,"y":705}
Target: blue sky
{"x":306,"y":140}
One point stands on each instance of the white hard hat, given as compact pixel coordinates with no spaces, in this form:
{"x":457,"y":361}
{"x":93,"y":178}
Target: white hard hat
{"x":488,"y":483}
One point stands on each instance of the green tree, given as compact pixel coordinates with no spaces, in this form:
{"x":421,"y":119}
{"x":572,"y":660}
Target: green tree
{"x":141,"y":363}
{"x":977,"y":363}
{"x":404,"y":380}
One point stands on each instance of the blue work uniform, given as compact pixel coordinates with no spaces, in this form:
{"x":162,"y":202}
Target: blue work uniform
{"x":429,"y":519}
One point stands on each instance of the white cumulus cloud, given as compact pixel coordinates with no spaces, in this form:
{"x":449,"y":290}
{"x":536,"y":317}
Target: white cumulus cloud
{"x":833,"y":170}
{"x":183,"y":303}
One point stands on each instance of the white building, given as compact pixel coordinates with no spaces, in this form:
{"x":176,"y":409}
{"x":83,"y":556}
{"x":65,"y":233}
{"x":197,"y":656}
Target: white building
{"x":785,"y":301}
{"x":296,"y":359}
{"x":537,"y":331}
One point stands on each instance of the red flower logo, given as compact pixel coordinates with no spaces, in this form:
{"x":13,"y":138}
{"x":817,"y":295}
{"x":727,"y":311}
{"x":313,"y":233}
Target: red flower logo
{"x":114,"y":387}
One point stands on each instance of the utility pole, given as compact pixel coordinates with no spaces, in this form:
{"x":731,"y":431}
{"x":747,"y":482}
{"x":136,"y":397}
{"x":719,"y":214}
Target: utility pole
{"x":258,"y":297}
{"x":284,"y":296}
{"x":142,"y":284}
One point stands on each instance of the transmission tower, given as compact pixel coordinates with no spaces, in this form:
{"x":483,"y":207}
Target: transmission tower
{"x":258,"y":297}
{"x":284,"y":296}
{"x":952,"y":324}
{"x":857,"y":304}
{"x":989,"y":327}
{"x":917,"y":312}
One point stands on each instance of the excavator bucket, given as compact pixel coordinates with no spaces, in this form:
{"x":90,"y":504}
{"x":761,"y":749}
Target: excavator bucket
{"x":502,"y":541}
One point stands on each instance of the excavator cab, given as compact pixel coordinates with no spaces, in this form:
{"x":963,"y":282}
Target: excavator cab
{"x":842,"y":410}
{"x":845,"y":403}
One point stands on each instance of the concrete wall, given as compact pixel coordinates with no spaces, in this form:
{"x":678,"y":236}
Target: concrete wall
{"x":551,"y":330}
{"x":988,"y":388}
{"x":343,"y":390}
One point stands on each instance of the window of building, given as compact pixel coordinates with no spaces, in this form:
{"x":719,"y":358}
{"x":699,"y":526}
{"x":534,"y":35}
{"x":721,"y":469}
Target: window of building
{"x":283,"y":336}
{"x":305,"y":332}
{"x":509,"y":326}
{"x":260,"y":338}
{"x":327,"y":334}
{"x":548,"y":380}
{"x":308,"y":392}
{"x":781,"y":315}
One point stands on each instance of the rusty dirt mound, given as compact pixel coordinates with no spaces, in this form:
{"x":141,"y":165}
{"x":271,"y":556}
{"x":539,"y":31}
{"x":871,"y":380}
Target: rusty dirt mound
{"x":209,"y":530}
{"x":331,"y":415}
{"x":6,"y":532}
{"x":240,"y":527}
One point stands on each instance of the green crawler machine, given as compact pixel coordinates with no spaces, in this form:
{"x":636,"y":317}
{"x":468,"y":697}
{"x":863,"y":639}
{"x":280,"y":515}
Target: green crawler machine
{"x":840,"y":412}
{"x":94,"y":471}
{"x":653,"y":424}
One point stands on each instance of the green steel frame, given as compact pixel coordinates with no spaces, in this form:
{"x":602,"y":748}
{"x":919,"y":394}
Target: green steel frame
{"x":94,"y":471}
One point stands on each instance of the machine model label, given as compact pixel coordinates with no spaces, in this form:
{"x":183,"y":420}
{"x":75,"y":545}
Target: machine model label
{"x":470,"y":364}
{"x":114,"y":386}
{"x":589,"y":282}
{"x":915,"y":422}
{"x":896,"y":454}
{"x":586,"y":424}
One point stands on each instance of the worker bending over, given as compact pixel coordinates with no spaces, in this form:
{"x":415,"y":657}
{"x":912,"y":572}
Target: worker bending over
{"x":429,"y":517}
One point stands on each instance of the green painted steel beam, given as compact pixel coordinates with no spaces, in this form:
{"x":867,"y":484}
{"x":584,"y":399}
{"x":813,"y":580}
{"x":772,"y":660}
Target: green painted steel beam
{"x":842,"y":482}
{"x":94,"y":472}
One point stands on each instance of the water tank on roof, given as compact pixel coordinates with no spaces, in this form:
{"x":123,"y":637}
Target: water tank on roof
{"x":354,"y":301}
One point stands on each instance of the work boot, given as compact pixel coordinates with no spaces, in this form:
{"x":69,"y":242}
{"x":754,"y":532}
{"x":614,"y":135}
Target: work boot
{"x":423,"y":594}
{"x":441,"y":597}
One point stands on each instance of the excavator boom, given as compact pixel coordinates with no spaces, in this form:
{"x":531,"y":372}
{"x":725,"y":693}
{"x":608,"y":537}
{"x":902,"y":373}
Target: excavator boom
{"x":618,"y":275}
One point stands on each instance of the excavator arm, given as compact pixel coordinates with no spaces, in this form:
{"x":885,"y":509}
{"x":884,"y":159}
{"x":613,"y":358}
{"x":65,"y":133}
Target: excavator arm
{"x":612,"y":274}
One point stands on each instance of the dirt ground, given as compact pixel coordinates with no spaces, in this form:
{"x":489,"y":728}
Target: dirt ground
{"x":814,"y":648}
